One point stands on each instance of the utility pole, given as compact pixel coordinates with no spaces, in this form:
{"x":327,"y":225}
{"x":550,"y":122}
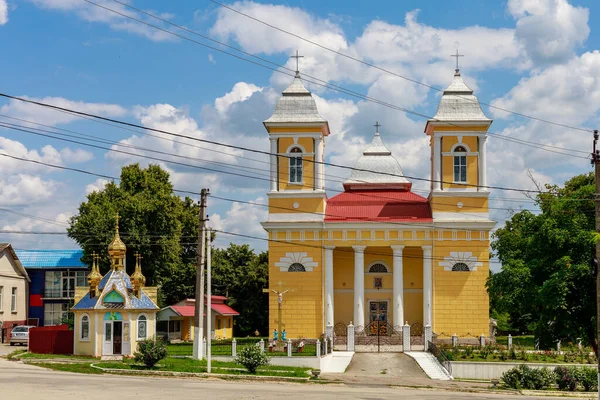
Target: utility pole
{"x":596,"y":162}
{"x":209,"y":313}
{"x":199,"y":303}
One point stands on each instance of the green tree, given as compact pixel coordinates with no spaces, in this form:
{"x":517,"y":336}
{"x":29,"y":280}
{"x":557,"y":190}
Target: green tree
{"x":241,"y":275}
{"x":155,"y":222}
{"x":546,"y":284}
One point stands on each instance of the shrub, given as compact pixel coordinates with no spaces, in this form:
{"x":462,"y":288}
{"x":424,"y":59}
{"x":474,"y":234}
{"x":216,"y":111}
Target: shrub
{"x":150,"y":351}
{"x":524,"y":377}
{"x":566,"y":378}
{"x":251,"y":357}
{"x":588,"y":378}
{"x":513,"y":377}
{"x":512,"y":353}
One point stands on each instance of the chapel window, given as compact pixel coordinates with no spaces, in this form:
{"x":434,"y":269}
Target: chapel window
{"x":460,"y":164}
{"x":142,"y":327}
{"x":296,"y":165}
{"x":85,"y":328}
{"x":460,"y":266}
{"x":296,"y":267}
{"x":378,"y":267}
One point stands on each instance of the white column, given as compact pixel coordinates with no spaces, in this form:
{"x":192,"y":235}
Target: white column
{"x":482,"y":164}
{"x":427,"y":285}
{"x":329,"y":319}
{"x":274,"y":161}
{"x":359,"y":287}
{"x":437,"y":163}
{"x":319,"y":163}
{"x":398,"y":285}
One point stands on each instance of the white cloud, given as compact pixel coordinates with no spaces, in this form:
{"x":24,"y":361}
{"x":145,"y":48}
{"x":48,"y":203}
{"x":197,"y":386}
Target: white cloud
{"x":211,"y":59}
{"x":567,"y":93}
{"x":96,"y":186}
{"x":75,"y":156}
{"x":91,"y":13}
{"x":241,"y":91}
{"x":3,"y":12}
{"x":48,"y":116}
{"x":550,"y":30}
{"x":242,"y":219}
{"x":25,"y":189}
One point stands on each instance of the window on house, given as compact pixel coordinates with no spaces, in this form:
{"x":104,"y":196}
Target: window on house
{"x":85,"y":328}
{"x":296,"y":165}
{"x":53,"y":313}
{"x":460,"y":164}
{"x":142,"y":330}
{"x":13,"y":300}
{"x":378,"y":268}
{"x":1,"y":297}
{"x":460,"y":266}
{"x":296,"y":267}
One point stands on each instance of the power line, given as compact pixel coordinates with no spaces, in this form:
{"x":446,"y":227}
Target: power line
{"x":211,"y":169}
{"x":316,"y":81}
{"x":378,"y":67}
{"x":93,"y":138}
{"x":249,"y":149}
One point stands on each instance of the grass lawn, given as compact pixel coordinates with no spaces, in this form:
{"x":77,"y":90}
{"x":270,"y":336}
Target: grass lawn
{"x":224,"y":349}
{"x":168,"y":364}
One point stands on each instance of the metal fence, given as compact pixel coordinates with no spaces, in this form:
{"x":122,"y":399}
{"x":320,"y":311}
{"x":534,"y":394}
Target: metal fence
{"x":441,"y":357}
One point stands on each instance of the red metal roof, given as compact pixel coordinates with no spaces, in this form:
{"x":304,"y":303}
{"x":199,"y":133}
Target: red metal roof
{"x":224,"y":309}
{"x":189,"y":311}
{"x":378,"y":205}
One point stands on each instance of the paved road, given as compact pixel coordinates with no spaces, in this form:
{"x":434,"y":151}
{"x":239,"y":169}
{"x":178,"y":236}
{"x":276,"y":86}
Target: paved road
{"x":20,"y":381}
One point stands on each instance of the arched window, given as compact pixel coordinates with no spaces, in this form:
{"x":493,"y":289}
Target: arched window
{"x":296,"y":267}
{"x":460,"y":164}
{"x":142,"y":327}
{"x":296,"y":165}
{"x":378,"y":267}
{"x":460,"y":266}
{"x":85,"y":328}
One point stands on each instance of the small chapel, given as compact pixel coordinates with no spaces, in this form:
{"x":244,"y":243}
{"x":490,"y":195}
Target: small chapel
{"x":116,"y":310}
{"x":376,"y":250}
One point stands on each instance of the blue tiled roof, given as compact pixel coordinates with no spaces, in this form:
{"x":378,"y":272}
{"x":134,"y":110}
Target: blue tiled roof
{"x":40,"y":259}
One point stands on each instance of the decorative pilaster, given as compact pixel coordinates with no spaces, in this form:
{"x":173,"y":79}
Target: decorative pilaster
{"x":437,"y":164}
{"x":428,"y":337}
{"x":319,"y":163}
{"x":482,"y":164}
{"x":427,"y":285}
{"x":359,"y":287}
{"x":274,"y":162}
{"x":398,"y":287}
{"x":329,"y":317}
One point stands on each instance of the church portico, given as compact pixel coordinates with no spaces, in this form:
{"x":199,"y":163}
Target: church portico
{"x":376,"y":283}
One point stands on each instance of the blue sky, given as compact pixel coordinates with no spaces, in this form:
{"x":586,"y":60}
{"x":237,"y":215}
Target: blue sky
{"x":535,"y":57}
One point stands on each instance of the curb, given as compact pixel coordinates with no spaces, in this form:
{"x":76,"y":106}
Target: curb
{"x":199,"y":375}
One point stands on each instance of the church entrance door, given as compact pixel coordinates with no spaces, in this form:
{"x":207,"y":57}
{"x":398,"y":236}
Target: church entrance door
{"x":379,"y":335}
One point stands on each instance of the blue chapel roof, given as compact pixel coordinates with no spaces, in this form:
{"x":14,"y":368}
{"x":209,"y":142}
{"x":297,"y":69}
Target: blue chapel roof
{"x":47,"y":259}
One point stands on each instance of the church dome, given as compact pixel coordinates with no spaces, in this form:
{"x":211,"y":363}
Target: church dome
{"x":296,"y":105}
{"x":377,"y":169}
{"x":117,"y":247}
{"x":458,"y":103}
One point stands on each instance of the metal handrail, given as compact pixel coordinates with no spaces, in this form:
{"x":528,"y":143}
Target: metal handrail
{"x":441,"y":356}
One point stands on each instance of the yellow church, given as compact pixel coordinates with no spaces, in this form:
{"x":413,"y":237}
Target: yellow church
{"x":377,"y":251}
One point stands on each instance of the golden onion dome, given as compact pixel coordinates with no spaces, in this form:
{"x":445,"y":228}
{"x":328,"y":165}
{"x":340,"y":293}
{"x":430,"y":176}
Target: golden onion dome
{"x":116,"y":247}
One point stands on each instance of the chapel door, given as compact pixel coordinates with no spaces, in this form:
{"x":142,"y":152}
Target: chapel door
{"x":107,"y":344}
{"x":117,"y":336}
